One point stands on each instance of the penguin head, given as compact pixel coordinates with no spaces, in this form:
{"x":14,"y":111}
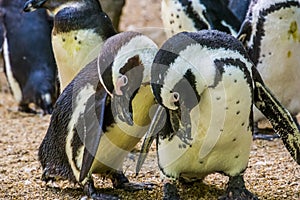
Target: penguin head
{"x":124,"y":65}
{"x":53,"y":5}
{"x":184,"y":67}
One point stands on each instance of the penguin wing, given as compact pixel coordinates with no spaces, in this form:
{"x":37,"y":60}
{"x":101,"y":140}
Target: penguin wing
{"x":93,"y":124}
{"x":2,"y":27}
{"x":281,"y":120}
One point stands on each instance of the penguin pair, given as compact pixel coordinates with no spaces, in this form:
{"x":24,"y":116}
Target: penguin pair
{"x":80,"y":28}
{"x":88,"y":133}
{"x":206,"y":86}
{"x":271,"y":36}
{"x":29,"y":63}
{"x":195,"y":15}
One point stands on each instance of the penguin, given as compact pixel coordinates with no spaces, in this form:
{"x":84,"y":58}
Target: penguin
{"x":206,"y":86}
{"x":101,"y":115}
{"x":271,"y":36}
{"x":80,"y":28}
{"x":194,"y":15}
{"x":239,"y":8}
{"x":29,"y":63}
{"x":113,"y":10}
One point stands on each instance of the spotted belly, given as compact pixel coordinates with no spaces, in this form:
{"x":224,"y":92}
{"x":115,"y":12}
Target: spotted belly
{"x":221,"y":132}
{"x":279,"y":61}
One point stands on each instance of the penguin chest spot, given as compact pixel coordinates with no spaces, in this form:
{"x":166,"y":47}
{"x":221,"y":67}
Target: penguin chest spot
{"x":73,"y":50}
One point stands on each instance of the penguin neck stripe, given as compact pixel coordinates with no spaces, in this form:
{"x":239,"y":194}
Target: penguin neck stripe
{"x":222,"y":63}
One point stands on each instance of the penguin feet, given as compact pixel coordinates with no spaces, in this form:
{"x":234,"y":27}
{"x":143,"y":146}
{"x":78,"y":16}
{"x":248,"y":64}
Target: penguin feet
{"x":25,"y":108}
{"x":91,"y":191}
{"x":236,"y":190}
{"x":170,"y":192}
{"x":120,"y":181}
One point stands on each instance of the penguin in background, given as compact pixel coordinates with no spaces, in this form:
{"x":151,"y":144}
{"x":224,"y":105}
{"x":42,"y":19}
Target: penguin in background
{"x":29,"y":63}
{"x":80,"y":28}
{"x":114,"y":10}
{"x":206,"y":86}
{"x":271,"y":36}
{"x":195,"y":15}
{"x":239,"y":8}
{"x":101,"y":115}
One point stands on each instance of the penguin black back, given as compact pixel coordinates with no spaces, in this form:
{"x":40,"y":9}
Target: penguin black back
{"x":29,"y":61}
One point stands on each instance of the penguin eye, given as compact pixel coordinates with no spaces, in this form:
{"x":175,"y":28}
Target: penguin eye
{"x":123,"y":80}
{"x":175,"y":97}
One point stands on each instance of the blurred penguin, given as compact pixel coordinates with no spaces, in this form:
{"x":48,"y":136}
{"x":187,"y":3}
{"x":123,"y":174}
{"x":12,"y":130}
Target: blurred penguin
{"x":271,"y":36}
{"x":28,"y":57}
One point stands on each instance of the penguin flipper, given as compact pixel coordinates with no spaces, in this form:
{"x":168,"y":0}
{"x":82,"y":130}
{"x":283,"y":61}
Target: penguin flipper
{"x":93,"y":122}
{"x":2,"y":27}
{"x":281,"y":120}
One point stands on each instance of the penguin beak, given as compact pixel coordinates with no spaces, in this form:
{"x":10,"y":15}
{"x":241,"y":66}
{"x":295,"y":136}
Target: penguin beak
{"x":121,"y":108}
{"x":158,"y":126}
{"x":32,"y":5}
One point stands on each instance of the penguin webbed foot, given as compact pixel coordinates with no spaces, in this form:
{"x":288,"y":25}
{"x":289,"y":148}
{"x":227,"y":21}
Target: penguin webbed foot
{"x":170,"y":192}
{"x":91,"y":191}
{"x":120,"y":181}
{"x":236,"y":190}
{"x":132,"y":187}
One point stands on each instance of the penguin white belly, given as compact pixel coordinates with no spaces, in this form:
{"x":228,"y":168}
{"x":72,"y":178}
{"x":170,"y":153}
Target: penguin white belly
{"x":73,"y":50}
{"x":279,"y":58}
{"x":175,"y":19}
{"x":221,"y":133}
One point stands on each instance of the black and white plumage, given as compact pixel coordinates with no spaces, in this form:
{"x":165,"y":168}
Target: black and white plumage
{"x":271,"y":37}
{"x":194,"y":15}
{"x":80,"y":28}
{"x":85,"y":135}
{"x":28,"y":58}
{"x":239,"y":8}
{"x":207,"y":86}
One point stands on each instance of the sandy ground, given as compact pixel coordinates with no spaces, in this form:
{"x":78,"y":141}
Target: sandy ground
{"x":272,"y":174}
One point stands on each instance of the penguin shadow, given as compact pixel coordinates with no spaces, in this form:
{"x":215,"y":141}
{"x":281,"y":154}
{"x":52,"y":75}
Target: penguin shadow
{"x":199,"y":190}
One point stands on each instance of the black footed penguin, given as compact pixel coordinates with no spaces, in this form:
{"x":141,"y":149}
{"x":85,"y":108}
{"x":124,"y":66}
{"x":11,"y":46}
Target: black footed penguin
{"x":80,"y":28}
{"x":101,"y":115}
{"x":29,"y":63}
{"x":206,"y":86}
{"x":239,"y":8}
{"x":194,"y":15}
{"x":271,"y":36}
